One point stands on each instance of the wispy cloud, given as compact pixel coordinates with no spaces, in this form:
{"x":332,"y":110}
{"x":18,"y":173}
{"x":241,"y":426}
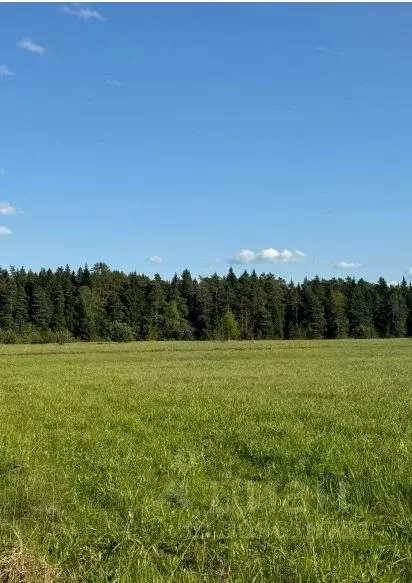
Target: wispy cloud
{"x":83,"y":12}
{"x":8,"y":209}
{"x":347,"y":265}
{"x":329,"y":51}
{"x":409,"y":272}
{"x":114,"y":82}
{"x":246,"y":256}
{"x":155,"y":260}
{"x":2,"y":172}
{"x":393,"y":283}
{"x":212,"y":261}
{"x":28,"y":45}
{"x":4,"y":231}
{"x":5,"y":71}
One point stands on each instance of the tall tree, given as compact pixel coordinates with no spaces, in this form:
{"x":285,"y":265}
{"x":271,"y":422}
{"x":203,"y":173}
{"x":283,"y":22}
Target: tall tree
{"x":102,"y":304}
{"x":229,"y":328}
{"x":176,"y":327}
{"x":20,"y":313}
{"x":313,"y":310}
{"x":41,"y":308}
{"x":337,"y":321}
{"x":293,"y":309}
{"x":398,"y":314}
{"x":58,"y":319}
{"x":381,"y":308}
{"x":6,"y":301}
{"x":360,"y":312}
{"x":84,"y":323}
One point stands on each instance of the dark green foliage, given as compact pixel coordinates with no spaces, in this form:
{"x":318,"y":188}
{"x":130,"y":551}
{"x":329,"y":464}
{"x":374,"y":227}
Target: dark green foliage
{"x":381,"y":309}
{"x":7,"y":294}
{"x":360,"y":310}
{"x":83,"y":320}
{"x":336,"y":312}
{"x":20,"y":313}
{"x":121,"y":332}
{"x":313,"y":310}
{"x":41,"y":307}
{"x":175,"y":325}
{"x":105,"y":305}
{"x":397,"y":314}
{"x":58,"y":320}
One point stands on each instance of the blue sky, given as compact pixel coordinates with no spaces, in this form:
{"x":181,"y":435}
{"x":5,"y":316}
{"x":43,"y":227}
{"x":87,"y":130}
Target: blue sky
{"x":198,"y":132}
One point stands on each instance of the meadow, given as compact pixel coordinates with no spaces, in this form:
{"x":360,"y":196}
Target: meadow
{"x":206,"y":462}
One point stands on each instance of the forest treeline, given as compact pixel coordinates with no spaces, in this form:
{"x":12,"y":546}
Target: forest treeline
{"x":105,"y":305}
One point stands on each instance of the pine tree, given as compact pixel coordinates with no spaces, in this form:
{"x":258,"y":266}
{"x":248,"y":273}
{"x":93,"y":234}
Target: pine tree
{"x":337,"y":321}
{"x":275,"y":304}
{"x":407,"y":296}
{"x":69,"y":292}
{"x":398,"y":314}
{"x":231,"y":285}
{"x":41,"y":309}
{"x":245,"y":308}
{"x":359,"y":312}
{"x":6,"y":301}
{"x":382,"y":309}
{"x":20,"y":313}
{"x":84,"y":325}
{"x":158,"y":305}
{"x":293,"y":309}
{"x":204,"y":303}
{"x":313,"y":312}
{"x":263,"y":328}
{"x":58,"y":320}
{"x":104,"y":304}
{"x":219,"y":302}
{"x":134,"y":299}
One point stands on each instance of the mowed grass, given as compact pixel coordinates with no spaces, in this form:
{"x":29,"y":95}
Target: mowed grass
{"x":188,"y":462}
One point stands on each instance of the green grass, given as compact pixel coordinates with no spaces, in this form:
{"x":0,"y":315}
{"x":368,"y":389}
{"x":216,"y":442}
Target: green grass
{"x":188,"y":462}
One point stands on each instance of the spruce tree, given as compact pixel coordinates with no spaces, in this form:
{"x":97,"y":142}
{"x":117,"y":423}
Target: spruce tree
{"x":337,"y":321}
{"x":6,"y":301}
{"x":398,"y":314}
{"x":41,"y":308}
{"x":20,"y":313}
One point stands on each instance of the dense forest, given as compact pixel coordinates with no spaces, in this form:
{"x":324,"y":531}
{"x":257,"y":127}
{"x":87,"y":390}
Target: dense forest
{"x":105,"y":305}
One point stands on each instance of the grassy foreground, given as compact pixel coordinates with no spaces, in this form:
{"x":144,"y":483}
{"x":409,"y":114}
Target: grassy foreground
{"x":244,"y":462}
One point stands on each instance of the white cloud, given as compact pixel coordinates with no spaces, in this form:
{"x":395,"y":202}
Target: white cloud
{"x":5,"y":71}
{"x":155,"y":260}
{"x":347,"y":265}
{"x":393,"y":283}
{"x":83,"y":12}
{"x":409,"y":272}
{"x":266,"y":256}
{"x":300,"y":254}
{"x":8,"y":209}
{"x":244,"y":256}
{"x":4,"y":231}
{"x":28,"y":45}
{"x":2,"y":172}
{"x":114,"y":82}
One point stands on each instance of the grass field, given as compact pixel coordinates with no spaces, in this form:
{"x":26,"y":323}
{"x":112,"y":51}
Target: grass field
{"x":189,"y":462}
